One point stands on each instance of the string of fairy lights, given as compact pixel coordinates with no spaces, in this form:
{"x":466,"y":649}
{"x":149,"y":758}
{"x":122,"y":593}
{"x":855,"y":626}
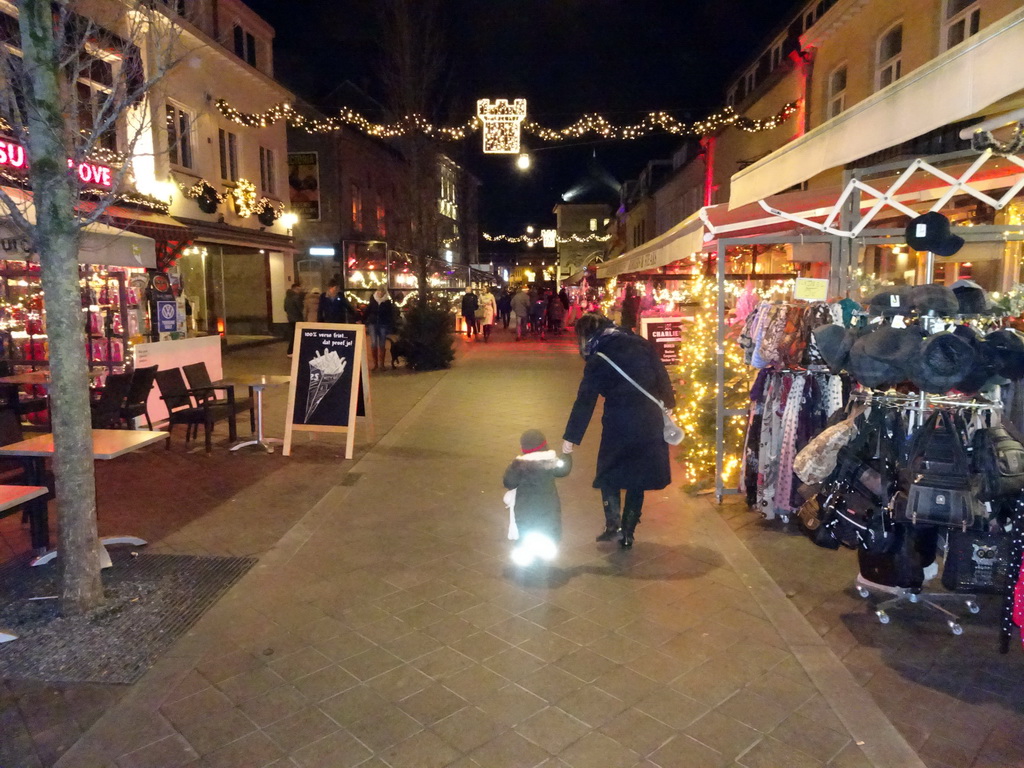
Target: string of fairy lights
{"x":533,"y":240}
{"x":587,"y":125}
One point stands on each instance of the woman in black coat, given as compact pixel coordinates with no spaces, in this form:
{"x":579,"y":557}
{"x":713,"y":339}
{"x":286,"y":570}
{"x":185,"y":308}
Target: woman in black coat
{"x":633,"y":455}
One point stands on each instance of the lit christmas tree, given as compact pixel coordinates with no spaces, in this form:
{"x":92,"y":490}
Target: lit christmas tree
{"x":694,"y":380}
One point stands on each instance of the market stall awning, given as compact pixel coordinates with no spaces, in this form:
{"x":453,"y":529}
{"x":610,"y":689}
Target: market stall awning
{"x":960,"y":83}
{"x":100,"y":244}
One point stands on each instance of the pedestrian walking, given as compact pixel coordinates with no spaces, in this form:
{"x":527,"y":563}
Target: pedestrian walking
{"x":486,"y":309}
{"x":630,"y":309}
{"x":556,"y":314}
{"x":633,"y":454}
{"x":334,"y":307}
{"x":469,"y":307}
{"x":537,"y":511}
{"x":539,"y":314}
{"x":521,"y":307}
{"x":381,"y":316}
{"x":505,"y":307}
{"x":295,"y":312}
{"x":311,"y":305}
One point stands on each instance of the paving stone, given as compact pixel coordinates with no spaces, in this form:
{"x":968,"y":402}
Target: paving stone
{"x":638,"y":731}
{"x":336,"y":750}
{"x":467,"y":729}
{"x":553,"y":729}
{"x":685,"y":752}
{"x":509,"y":750}
{"x":723,"y":734}
{"x":302,"y":728}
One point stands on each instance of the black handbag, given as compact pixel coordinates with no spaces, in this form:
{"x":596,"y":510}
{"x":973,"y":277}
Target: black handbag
{"x":977,"y":561}
{"x":998,"y":457}
{"x":941,"y":488}
{"x":901,"y":567}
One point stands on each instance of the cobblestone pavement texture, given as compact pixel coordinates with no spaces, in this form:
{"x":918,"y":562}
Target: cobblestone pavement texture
{"x":384,"y":625}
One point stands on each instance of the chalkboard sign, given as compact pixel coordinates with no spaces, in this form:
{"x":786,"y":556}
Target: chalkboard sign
{"x":329,"y":381}
{"x":665,"y":333}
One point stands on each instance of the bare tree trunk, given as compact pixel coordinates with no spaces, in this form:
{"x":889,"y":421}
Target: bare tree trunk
{"x":56,"y":238}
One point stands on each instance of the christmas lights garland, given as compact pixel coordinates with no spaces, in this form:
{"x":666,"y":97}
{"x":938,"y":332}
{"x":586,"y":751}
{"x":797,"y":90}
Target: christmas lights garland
{"x":534,"y":240}
{"x":588,"y":124}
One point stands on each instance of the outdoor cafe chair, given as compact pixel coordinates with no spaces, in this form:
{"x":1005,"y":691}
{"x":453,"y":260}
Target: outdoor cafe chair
{"x":182,"y":409}
{"x":106,"y":411}
{"x":204,"y":389}
{"x":14,"y":471}
{"x":137,"y":402}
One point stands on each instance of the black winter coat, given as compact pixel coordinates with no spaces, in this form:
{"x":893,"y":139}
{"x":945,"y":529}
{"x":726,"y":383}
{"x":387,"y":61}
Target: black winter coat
{"x":537,"y":506}
{"x":633,"y":452}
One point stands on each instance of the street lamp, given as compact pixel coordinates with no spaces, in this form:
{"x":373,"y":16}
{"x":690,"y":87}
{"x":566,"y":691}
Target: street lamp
{"x":523,"y":162}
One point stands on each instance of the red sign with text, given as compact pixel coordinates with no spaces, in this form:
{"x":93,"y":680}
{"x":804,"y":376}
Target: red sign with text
{"x":14,"y":156}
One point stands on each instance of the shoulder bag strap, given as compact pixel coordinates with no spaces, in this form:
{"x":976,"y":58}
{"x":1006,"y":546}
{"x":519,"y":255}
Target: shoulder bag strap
{"x":629,"y":378}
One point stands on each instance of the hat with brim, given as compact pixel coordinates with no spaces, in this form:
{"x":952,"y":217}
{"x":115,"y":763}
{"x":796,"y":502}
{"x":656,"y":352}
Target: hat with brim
{"x":834,"y":343}
{"x":985,"y":370}
{"x":1008,"y":345}
{"x":894,"y":300}
{"x":971,"y":298}
{"x":931,"y":232}
{"x":881,"y":358}
{"x":941,"y":363}
{"x":934,"y":298}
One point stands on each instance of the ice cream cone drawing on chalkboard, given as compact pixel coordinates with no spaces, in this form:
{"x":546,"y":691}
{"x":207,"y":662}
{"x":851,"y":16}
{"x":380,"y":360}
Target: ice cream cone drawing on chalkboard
{"x":325,"y":369}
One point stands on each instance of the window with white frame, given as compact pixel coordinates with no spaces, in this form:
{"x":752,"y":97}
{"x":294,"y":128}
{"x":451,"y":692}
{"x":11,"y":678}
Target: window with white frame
{"x":93,"y":90}
{"x":268,"y":182}
{"x":228,"y":142}
{"x":889,"y":57}
{"x":245,"y":44}
{"x":776,"y":55}
{"x":180,"y":141}
{"x":836,"y":91}
{"x":961,"y":20}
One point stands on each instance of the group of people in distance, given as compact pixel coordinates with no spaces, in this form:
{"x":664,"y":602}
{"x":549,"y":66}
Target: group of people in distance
{"x":331,"y":306}
{"x":534,"y":311}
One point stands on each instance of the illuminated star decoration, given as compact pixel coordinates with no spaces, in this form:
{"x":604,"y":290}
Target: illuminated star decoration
{"x":502,"y":124}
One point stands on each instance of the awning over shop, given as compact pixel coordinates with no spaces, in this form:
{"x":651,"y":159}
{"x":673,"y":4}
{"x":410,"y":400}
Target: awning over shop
{"x":960,"y":83}
{"x":100,"y":244}
{"x":684,"y":238}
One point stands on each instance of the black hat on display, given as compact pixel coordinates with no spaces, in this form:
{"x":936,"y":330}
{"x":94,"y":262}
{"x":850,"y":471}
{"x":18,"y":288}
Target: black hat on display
{"x":1009,"y":351}
{"x":971,"y":297}
{"x":985,"y":370}
{"x":882,"y":358}
{"x":941,"y":363}
{"x":834,"y":344}
{"x":894,"y":300}
{"x":936,"y":298}
{"x":931,"y":232}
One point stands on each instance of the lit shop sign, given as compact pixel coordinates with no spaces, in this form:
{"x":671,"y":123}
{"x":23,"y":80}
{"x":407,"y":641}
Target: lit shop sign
{"x":13,"y":156}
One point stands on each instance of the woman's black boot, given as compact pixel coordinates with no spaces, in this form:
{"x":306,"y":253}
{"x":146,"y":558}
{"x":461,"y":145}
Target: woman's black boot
{"x":631,"y":517}
{"x":612,"y":503}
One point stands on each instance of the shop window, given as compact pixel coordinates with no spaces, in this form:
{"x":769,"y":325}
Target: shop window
{"x":889,"y":57}
{"x":593,"y":225}
{"x":962,"y":19}
{"x":357,"y":207}
{"x":245,"y":45}
{"x":382,"y":225}
{"x":228,"y":155}
{"x":180,"y":142}
{"x":267,"y":177}
{"x":837,"y":91}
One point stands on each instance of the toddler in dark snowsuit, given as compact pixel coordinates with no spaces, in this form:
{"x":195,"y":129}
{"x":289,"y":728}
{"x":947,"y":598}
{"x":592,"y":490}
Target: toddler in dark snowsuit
{"x":532,"y":476}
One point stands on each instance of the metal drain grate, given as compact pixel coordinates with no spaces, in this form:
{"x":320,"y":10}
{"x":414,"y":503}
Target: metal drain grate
{"x":151,"y":601}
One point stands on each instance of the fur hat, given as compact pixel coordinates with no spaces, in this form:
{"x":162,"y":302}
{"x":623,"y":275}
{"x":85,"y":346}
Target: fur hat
{"x":894,"y":300}
{"x":533,"y":440}
{"x":834,"y":344}
{"x":936,"y":298}
{"x":931,"y":232}
{"x":941,"y":363}
{"x":880,"y":359}
{"x":971,"y":297}
{"x":1009,"y":351}
{"x":985,"y":370}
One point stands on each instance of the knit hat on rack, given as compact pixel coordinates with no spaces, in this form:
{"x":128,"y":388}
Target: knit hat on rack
{"x":881,"y":358}
{"x":1009,"y":351}
{"x":834,"y":344}
{"x":941,"y":363}
{"x":936,"y":298}
{"x":894,"y":300}
{"x":533,"y":440}
{"x":971,"y":297}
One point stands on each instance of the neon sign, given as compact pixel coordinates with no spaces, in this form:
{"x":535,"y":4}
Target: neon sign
{"x":13,"y":156}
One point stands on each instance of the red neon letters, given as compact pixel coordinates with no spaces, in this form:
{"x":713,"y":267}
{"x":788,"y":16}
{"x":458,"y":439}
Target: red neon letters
{"x":13,"y":156}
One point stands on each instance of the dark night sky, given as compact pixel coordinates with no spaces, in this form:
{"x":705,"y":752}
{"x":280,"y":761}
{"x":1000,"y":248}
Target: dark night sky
{"x":620,"y":58}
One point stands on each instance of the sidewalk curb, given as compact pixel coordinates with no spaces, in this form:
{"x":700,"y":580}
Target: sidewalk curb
{"x":871,"y":730}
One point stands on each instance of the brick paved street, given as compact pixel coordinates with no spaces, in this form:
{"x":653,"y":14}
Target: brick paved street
{"x":384,"y":626}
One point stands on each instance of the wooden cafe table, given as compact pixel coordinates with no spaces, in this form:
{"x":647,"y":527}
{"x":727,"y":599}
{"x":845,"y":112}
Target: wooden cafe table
{"x":107,"y":444}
